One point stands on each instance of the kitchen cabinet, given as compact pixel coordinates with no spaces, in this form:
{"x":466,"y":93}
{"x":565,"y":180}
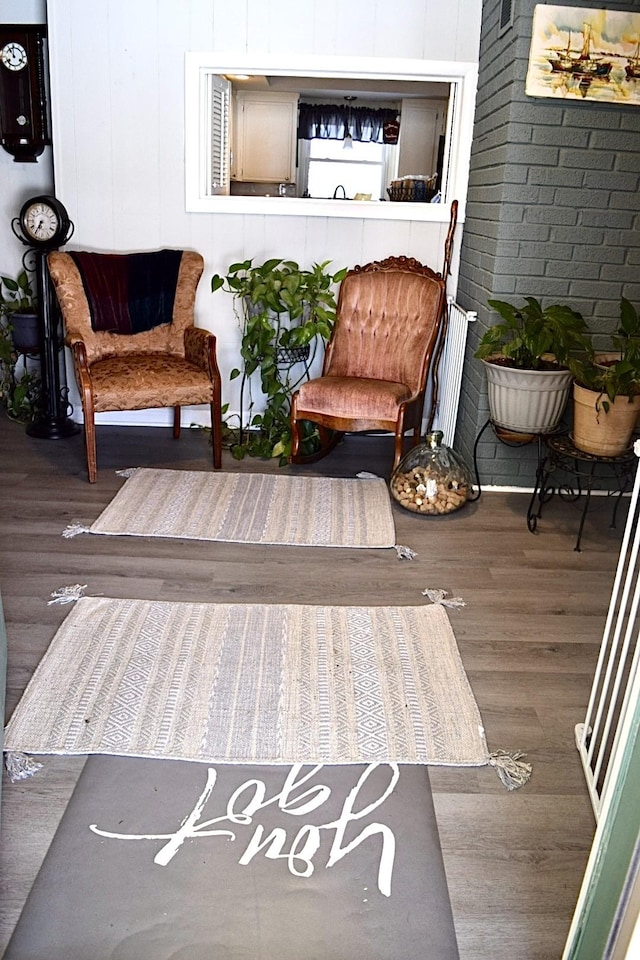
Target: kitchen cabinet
{"x":421,"y":124}
{"x":264,"y":136}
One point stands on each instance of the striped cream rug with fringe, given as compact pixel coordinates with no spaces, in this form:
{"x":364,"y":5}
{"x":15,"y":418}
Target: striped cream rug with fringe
{"x":249,"y":508}
{"x":240,"y":683}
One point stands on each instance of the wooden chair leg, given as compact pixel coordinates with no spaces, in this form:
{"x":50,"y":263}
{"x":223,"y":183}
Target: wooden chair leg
{"x":399,"y":442}
{"x":216,"y":437}
{"x":295,"y":432}
{"x":216,"y":425}
{"x":90,"y":442}
{"x":397,"y":450}
{"x":176,"y":422}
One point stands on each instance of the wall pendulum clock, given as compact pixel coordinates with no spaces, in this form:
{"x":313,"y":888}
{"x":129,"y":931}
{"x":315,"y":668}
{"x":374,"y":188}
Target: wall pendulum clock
{"x":24,"y":124}
{"x":44,"y":225}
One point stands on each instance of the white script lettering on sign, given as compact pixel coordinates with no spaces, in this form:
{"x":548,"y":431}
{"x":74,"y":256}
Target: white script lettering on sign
{"x":251,"y":797}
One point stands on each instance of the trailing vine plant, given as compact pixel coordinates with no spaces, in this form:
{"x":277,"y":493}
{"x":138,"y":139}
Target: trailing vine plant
{"x":20,"y":389}
{"x":284,"y":312}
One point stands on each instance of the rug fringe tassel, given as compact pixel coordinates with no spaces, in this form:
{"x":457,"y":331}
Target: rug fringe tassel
{"x":20,"y":766}
{"x":68,"y":594}
{"x":74,"y":529}
{"x":513,"y":771}
{"x":129,"y":472}
{"x":439,"y":596}
{"x":405,"y":553}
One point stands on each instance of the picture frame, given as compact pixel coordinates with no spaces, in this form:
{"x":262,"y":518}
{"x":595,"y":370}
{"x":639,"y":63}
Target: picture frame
{"x":582,"y":53}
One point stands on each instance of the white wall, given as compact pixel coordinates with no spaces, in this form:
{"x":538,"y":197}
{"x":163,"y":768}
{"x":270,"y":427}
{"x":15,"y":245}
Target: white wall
{"x":117,"y":77}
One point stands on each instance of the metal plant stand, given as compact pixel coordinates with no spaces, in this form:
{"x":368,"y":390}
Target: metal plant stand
{"x":510,"y":438}
{"x":582,"y":469}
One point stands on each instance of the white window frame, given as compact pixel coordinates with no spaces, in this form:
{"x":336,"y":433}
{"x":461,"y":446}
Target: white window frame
{"x":199,"y":66}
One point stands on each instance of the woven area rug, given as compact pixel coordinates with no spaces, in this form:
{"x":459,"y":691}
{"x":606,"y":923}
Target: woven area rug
{"x":240,"y":683}
{"x":249,"y":508}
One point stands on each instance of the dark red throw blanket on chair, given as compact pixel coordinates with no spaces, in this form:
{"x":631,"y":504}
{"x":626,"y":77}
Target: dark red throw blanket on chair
{"x":130,"y":292}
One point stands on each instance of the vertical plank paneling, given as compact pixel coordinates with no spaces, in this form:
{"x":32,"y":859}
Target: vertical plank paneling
{"x":82,"y":153}
{"x":468,"y":37}
{"x":440,"y":29}
{"x":199,"y":20}
{"x":355,"y":36}
{"x":229,"y":26}
{"x":133,"y":56}
{"x":173,"y":39}
{"x":399,"y":29}
{"x":375,"y":245}
{"x":327,"y":24}
{"x":279,"y":26}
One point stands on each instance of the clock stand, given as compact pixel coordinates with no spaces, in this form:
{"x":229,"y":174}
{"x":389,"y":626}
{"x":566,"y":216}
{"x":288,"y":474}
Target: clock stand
{"x":43,"y":226}
{"x":54,"y":423}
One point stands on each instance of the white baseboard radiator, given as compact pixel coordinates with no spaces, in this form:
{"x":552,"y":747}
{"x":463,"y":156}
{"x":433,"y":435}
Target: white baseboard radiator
{"x":615,"y":692}
{"x":449,"y":374}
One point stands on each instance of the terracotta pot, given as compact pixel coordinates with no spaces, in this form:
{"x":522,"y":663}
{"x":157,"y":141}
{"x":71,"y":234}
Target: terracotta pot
{"x":527,"y":401}
{"x":599,"y":432}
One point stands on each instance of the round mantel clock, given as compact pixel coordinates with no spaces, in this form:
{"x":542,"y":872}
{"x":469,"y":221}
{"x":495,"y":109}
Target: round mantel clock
{"x":44,"y":223}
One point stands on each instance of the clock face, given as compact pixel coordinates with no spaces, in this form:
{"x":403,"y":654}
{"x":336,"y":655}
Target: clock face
{"x":44,"y":222}
{"x":40,"y":221}
{"x":13,"y":55}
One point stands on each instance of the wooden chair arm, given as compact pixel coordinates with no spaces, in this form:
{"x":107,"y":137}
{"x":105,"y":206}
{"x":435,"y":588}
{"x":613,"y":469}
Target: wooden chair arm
{"x":200,"y":349}
{"x":79,"y":353}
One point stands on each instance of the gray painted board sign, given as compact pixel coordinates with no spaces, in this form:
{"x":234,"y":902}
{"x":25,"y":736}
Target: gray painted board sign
{"x":168,"y":859}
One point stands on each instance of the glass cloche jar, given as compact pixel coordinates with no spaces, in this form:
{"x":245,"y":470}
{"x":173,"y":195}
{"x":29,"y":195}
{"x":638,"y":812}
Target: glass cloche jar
{"x":431,"y":479}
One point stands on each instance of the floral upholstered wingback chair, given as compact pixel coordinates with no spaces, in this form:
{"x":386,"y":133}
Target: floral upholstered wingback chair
{"x":389,"y":326}
{"x":129,"y":322}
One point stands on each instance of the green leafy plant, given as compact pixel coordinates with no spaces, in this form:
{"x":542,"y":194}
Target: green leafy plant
{"x":20,"y":391}
{"x":284,"y":313}
{"x":532,"y":338}
{"x":17,"y":296}
{"x":616,"y":376}
{"x":20,"y":395}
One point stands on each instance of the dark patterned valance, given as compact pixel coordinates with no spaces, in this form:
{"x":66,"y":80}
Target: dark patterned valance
{"x":331,"y":121}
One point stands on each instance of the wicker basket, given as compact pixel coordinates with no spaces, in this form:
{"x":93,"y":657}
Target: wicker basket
{"x":413,"y":189}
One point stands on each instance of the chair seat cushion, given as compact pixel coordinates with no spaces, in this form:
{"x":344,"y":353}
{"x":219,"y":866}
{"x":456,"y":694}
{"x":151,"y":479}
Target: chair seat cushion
{"x":358,"y":398}
{"x":142,"y":381}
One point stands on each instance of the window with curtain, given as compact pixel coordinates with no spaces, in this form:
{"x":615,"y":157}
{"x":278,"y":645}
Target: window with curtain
{"x":331,"y":121}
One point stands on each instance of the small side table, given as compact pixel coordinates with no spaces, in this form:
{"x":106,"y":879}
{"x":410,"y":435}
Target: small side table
{"x":584,"y":468}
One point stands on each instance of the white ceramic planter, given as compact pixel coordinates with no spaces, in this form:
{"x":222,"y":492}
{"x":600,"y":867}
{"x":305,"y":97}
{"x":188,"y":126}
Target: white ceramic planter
{"x":526,"y":401}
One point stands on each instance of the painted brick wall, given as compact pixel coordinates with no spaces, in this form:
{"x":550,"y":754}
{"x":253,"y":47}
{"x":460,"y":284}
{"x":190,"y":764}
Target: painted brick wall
{"x":553,"y":212}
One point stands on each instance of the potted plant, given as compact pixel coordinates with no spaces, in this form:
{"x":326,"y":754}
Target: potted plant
{"x":606,"y":391}
{"x":526,"y":359}
{"x":20,"y":392}
{"x":285,"y":312}
{"x":18,"y":304}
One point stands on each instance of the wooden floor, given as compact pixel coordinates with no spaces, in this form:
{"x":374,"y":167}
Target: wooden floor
{"x":528,"y":635}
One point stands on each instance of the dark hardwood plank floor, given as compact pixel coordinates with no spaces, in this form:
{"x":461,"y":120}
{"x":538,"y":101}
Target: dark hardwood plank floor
{"x":529,"y":637}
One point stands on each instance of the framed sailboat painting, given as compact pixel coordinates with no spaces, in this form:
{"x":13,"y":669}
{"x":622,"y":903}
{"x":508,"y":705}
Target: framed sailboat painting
{"x":580,"y":53}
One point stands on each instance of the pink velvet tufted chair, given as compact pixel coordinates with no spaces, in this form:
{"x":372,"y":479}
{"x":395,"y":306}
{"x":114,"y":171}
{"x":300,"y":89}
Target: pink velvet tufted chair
{"x":390,"y":315}
{"x":161,"y":360}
